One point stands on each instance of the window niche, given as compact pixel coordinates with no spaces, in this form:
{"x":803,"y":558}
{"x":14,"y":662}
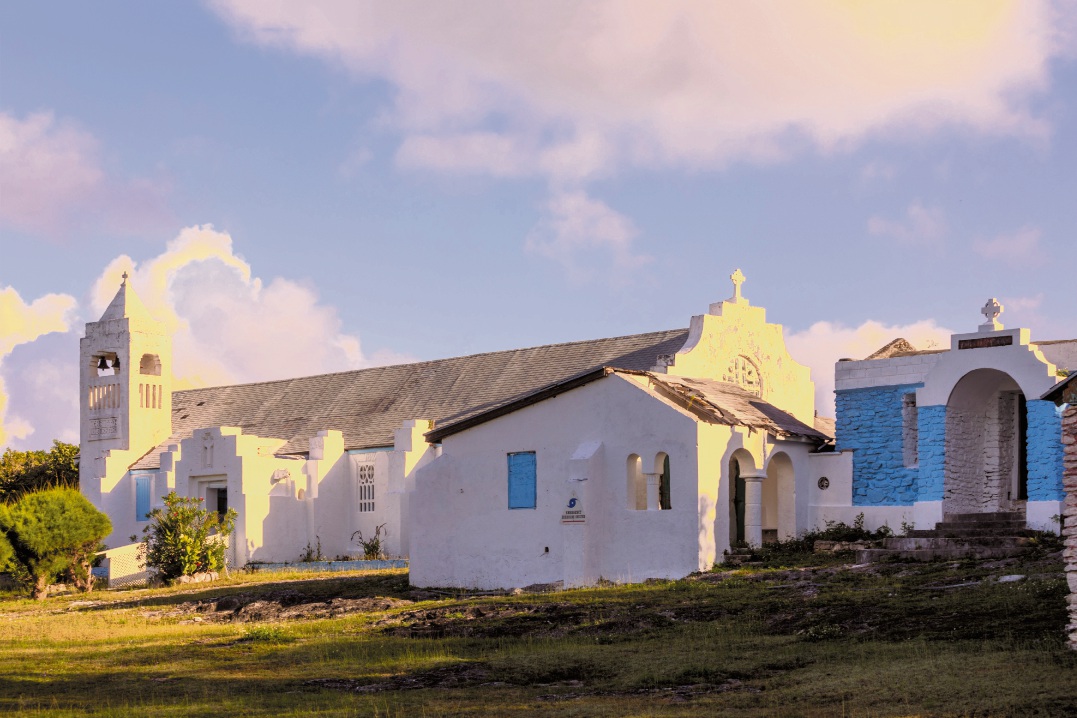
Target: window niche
{"x":150,"y":365}
{"x":910,"y":433}
{"x":662,"y":469}
{"x":364,"y":488}
{"x":636,"y":484}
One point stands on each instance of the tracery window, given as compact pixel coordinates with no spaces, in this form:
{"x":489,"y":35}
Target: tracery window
{"x":743,"y":372}
{"x":365,"y":488}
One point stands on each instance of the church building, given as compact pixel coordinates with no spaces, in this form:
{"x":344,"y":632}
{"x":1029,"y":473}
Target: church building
{"x":622,"y":459}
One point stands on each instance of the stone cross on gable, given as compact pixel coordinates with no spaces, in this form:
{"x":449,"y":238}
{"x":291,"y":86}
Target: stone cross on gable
{"x":991,"y":310}
{"x":738,"y":279}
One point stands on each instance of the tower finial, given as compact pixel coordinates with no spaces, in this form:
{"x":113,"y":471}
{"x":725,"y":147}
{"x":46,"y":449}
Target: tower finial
{"x":991,"y":310}
{"x":738,"y":279}
{"x":124,"y":275}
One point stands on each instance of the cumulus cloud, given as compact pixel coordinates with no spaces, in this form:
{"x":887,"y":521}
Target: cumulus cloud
{"x":1020,"y":247}
{"x":579,"y":229}
{"x":227,"y":325}
{"x":52,"y":179}
{"x":921,"y":225}
{"x":22,"y":323}
{"x":499,"y":86}
{"x":571,"y":91}
{"x":824,"y":343}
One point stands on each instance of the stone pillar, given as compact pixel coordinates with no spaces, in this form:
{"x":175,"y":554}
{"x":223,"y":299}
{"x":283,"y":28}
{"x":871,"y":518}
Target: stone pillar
{"x":654,"y":482}
{"x":753,"y":508}
{"x":1069,"y":514}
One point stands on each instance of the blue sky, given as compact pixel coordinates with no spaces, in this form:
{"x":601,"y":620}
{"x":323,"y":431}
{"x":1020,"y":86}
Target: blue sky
{"x":309,"y":187}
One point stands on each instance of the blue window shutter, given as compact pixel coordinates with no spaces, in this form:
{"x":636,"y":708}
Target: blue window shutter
{"x":142,"y":497}
{"x":522,"y":480}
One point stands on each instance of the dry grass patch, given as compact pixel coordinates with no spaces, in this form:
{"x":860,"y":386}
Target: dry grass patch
{"x":938,"y":639}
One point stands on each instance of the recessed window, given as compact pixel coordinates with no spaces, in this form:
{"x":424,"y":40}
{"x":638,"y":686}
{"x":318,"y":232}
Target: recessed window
{"x":150,"y":364}
{"x":664,"y":500}
{"x":910,"y":433}
{"x":522,"y":472}
{"x":364,"y":488}
{"x":142,"y":497}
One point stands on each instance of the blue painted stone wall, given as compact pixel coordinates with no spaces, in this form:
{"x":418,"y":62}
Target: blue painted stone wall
{"x":1044,"y":452}
{"x":869,"y":421}
{"x":931,"y":451}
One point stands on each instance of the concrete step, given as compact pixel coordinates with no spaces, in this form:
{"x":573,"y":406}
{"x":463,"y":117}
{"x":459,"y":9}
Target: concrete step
{"x":977,"y":518}
{"x":968,"y":532}
{"x":873,"y":555}
{"x":915,"y":543}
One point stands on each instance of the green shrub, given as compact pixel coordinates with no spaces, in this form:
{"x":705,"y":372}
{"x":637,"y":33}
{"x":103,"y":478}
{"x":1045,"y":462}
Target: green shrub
{"x":51,"y":532}
{"x":182,"y":539}
{"x":372,"y":547}
{"x":6,"y":551}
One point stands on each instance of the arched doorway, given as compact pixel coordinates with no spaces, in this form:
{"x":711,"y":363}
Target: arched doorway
{"x":986,"y":438}
{"x":779,"y":499}
{"x":740,"y":463}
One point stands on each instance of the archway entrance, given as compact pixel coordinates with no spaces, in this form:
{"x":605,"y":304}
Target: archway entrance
{"x":779,"y":501}
{"x":736,"y":504}
{"x":986,"y":435}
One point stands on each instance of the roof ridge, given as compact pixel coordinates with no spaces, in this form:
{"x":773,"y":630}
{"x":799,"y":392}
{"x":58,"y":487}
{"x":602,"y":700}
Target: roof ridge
{"x":431,"y":361}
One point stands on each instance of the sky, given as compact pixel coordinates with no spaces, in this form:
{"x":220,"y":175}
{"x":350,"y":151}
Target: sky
{"x":298,"y":188}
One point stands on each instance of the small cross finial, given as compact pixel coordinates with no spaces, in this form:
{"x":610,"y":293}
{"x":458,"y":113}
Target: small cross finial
{"x":738,"y":279}
{"x":124,"y":275}
{"x":991,"y":311}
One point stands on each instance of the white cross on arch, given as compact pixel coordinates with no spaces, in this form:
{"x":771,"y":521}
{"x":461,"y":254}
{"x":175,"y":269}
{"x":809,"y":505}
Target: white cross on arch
{"x":738,"y":279}
{"x":991,"y":309}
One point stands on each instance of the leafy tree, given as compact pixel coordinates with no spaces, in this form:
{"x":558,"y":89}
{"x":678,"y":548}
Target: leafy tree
{"x":182,"y":538}
{"x":50,"y":532}
{"x":6,"y":551}
{"x":24,"y":471}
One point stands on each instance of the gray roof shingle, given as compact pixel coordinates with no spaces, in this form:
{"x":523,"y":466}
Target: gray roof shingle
{"x":713,"y":401}
{"x":368,"y":405}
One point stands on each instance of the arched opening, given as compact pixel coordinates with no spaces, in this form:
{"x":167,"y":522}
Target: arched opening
{"x":150,"y":364}
{"x":740,"y":463}
{"x":986,"y":427}
{"x":779,"y":499}
{"x":636,"y":487}
{"x":661,"y":467}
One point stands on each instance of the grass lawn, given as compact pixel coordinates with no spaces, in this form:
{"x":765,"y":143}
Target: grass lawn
{"x":822,"y":640}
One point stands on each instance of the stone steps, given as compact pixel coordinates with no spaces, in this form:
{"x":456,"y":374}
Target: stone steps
{"x":970,"y":533}
{"x":984,"y":517}
{"x":957,"y":536}
{"x":946,"y":542}
{"x":873,"y":555}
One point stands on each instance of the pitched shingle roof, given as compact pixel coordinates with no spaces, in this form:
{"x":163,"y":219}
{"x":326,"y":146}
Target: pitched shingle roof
{"x":713,"y":401}
{"x":722,"y":403}
{"x":368,"y":405}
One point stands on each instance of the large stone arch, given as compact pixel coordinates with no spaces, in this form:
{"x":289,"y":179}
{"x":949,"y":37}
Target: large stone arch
{"x":1022,"y":362}
{"x":986,"y":435}
{"x":971,"y":421}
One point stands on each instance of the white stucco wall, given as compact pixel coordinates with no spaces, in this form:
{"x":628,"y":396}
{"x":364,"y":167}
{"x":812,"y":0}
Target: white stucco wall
{"x":463,"y":533}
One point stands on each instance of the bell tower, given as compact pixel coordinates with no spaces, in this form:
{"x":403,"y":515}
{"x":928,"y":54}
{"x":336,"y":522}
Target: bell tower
{"x":125,"y":371}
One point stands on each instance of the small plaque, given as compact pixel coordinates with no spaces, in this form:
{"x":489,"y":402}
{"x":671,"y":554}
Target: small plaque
{"x":985,"y":342}
{"x":107,"y":427}
{"x":824,"y":483}
{"x":573,"y":513}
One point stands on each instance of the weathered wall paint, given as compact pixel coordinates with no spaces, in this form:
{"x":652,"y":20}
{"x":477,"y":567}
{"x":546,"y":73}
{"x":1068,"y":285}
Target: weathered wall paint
{"x":870,"y":423}
{"x":1044,"y":452}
